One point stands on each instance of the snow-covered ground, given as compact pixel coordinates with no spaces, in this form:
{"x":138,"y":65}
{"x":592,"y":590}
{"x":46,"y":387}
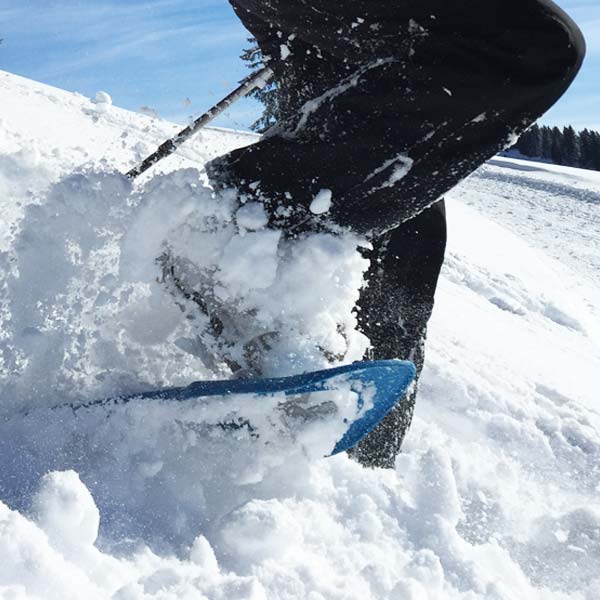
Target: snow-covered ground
{"x":497,"y":494}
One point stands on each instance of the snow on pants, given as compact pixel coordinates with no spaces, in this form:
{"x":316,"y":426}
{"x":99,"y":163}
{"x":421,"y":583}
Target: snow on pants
{"x":389,"y":104}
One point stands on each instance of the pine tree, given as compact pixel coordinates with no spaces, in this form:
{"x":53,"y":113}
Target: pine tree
{"x":570,"y":147}
{"x":595,"y":151}
{"x":530,"y":143}
{"x":556,"y":152}
{"x":268,"y":96}
{"x":523,"y":145}
{"x":536,"y":141}
{"x":586,"y":147}
{"x":546,"y":136}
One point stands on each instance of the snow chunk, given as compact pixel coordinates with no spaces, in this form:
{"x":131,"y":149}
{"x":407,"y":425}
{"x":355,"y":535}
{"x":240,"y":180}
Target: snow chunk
{"x":285,"y":51}
{"x":65,"y":510}
{"x":252,"y":216}
{"x":262,"y":530}
{"x":102,"y":98}
{"x":322,"y":202}
{"x":203,"y":555}
{"x":250,"y":262}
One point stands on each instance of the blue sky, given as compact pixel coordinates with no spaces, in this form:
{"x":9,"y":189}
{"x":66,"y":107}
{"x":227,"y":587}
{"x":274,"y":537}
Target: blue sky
{"x":158,"y":53}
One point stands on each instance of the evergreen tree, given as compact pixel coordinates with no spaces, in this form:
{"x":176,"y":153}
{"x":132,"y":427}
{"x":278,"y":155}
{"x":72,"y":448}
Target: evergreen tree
{"x":546,"y":135}
{"x":570,"y":147}
{"x":530,"y":143}
{"x":585,"y":141}
{"x":566,"y":147}
{"x":586,"y":144}
{"x":556,"y":152}
{"x":595,"y":151}
{"x":536,"y":141}
{"x":523,"y":145}
{"x":268,"y":96}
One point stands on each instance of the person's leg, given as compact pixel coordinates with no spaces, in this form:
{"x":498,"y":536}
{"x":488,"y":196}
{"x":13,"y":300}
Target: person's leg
{"x":395,"y":103}
{"x":419,"y":111}
{"x":393,"y":312}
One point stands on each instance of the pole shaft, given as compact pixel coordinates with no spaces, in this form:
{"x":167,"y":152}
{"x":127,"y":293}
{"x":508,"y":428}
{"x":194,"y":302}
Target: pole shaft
{"x":259,"y":79}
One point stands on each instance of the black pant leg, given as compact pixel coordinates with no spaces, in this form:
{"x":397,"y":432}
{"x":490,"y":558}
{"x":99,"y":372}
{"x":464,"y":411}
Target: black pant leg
{"x":393,"y":311}
{"x":414,"y":117}
{"x":400,"y":113}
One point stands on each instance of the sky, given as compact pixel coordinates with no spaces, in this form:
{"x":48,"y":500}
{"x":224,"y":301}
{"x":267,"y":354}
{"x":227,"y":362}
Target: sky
{"x":164,"y":54}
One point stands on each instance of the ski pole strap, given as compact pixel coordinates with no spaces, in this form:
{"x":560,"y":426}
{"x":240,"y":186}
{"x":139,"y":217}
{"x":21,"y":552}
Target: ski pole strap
{"x":257,"y":80}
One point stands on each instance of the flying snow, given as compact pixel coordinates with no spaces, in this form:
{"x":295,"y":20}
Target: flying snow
{"x":322,"y":202}
{"x":103,"y":98}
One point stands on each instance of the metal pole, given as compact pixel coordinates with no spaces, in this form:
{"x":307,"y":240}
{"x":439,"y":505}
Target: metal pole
{"x":259,"y":79}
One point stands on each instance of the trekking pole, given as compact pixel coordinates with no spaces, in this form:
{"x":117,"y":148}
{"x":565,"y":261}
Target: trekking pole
{"x":257,"y":80}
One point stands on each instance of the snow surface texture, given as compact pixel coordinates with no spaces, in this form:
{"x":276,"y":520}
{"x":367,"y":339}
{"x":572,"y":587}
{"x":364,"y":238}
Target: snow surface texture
{"x":497,"y":492}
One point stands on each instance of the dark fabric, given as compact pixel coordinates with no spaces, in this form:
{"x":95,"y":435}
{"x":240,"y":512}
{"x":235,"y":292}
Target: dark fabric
{"x":390,"y":104}
{"x":393,"y":312}
{"x":436,"y":85}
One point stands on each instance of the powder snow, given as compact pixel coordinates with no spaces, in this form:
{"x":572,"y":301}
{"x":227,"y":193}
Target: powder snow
{"x":496,"y":494}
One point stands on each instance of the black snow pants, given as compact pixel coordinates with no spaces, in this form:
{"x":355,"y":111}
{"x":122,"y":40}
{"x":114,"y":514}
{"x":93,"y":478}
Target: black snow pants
{"x":389,"y":104}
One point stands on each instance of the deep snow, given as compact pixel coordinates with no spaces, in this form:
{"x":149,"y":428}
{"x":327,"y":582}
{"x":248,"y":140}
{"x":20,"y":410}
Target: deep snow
{"x":497,"y":494}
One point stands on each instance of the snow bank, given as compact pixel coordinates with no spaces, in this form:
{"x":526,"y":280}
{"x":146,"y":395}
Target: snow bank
{"x":350,"y":534}
{"x":496,"y":493}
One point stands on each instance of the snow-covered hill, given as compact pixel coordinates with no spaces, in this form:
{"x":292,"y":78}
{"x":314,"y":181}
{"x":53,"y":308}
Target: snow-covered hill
{"x":497,"y":494}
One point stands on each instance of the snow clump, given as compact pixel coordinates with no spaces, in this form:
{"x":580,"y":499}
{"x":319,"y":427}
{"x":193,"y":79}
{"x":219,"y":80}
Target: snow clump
{"x":65,"y":510}
{"x":103,"y":98}
{"x":321,"y":203}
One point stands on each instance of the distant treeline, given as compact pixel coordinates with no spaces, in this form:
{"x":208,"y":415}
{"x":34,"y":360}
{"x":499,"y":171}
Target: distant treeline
{"x":562,"y":146}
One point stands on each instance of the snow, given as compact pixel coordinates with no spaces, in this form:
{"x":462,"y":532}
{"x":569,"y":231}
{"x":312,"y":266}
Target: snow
{"x":497,"y":493}
{"x":251,"y":216}
{"x":284,"y":51}
{"x":321,"y":202}
{"x":103,"y":98}
{"x":254,"y":253}
{"x":402,"y":165}
{"x":64,"y":508}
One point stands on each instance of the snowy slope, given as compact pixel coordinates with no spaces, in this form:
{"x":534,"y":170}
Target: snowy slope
{"x":497,"y":494}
